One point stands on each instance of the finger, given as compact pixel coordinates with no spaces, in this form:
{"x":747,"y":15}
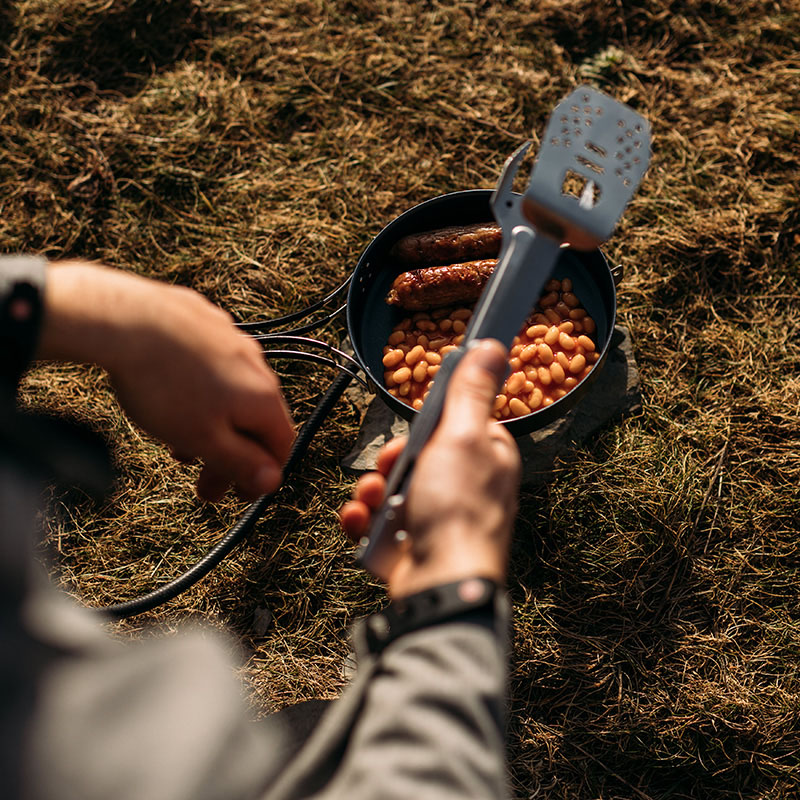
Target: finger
{"x":354,"y":517}
{"x":211,"y":486}
{"x":370,"y":490}
{"x":473,"y":388}
{"x":388,"y":454}
{"x":264,"y":416}
{"x":244,"y":462}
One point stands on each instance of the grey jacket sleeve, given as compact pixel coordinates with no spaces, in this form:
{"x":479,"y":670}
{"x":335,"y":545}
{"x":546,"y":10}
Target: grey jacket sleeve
{"x":164,"y":719}
{"x":425,"y":718}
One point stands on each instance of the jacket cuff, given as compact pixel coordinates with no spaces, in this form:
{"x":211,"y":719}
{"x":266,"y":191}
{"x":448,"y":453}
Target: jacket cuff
{"x":473,"y":600}
{"x":22,"y":280}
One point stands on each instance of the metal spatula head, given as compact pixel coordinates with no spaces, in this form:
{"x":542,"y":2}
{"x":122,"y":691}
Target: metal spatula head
{"x":593,"y":155}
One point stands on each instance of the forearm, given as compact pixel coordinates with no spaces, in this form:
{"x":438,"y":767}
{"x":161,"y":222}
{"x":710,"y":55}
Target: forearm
{"x":92,"y":313}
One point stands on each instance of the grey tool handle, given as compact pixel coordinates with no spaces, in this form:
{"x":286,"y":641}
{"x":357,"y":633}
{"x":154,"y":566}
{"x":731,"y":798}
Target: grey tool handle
{"x":524,"y":267}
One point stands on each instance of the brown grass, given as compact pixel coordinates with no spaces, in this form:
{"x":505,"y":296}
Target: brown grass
{"x":251,"y":150}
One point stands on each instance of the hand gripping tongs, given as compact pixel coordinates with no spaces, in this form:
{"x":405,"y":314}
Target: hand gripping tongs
{"x":590,"y":139}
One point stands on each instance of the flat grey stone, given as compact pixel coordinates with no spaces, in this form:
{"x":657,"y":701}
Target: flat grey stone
{"x":614,"y":393}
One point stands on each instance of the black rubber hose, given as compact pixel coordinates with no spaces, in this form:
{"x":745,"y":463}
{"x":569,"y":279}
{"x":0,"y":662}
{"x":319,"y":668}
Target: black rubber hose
{"x":246,"y":522}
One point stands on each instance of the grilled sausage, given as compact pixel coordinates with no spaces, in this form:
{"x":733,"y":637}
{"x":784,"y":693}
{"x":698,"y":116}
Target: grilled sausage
{"x":420,"y":289}
{"x":448,"y":245}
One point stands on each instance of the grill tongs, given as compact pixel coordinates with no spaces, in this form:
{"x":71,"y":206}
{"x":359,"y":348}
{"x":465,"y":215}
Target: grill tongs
{"x":591,"y":141}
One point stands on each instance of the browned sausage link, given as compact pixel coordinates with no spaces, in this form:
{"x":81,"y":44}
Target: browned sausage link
{"x":448,"y":245}
{"x":431,"y":287}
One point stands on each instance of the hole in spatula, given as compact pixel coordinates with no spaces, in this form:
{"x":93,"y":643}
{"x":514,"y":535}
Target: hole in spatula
{"x":575,"y":185}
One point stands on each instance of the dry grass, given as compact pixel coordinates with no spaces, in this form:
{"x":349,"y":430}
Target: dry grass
{"x":251,"y":150}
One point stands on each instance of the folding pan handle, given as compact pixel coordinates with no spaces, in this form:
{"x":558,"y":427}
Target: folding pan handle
{"x":266,"y":325}
{"x":334,"y":357}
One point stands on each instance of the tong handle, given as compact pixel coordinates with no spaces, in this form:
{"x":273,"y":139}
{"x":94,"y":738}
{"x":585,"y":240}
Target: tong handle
{"x":506,"y":301}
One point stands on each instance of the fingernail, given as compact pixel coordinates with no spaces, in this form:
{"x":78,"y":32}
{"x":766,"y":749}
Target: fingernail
{"x":266,"y":479}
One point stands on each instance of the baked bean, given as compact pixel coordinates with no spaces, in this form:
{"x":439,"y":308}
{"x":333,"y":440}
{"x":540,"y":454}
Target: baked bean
{"x":557,"y":372}
{"x":536,"y":330}
{"x":433,"y":358}
{"x":388,"y":379}
{"x":577,"y":364}
{"x":423,"y":340}
{"x":593,"y":356}
{"x":438,"y":343}
{"x":567,"y":326}
{"x":566,"y":341}
{"x":414,"y":355}
{"x":548,"y":401}
{"x":515,"y":363}
{"x":461,"y":313}
{"x":517,"y":407}
{"x":589,"y":325}
{"x":586,"y":371}
{"x":531,"y":371}
{"x":447,"y":349}
{"x":527,"y":388}
{"x":445,"y":325}
{"x":395,"y":337}
{"x":549,"y":299}
{"x":570,"y":299}
{"x":553,"y":316}
{"x":433,"y":369}
{"x":392,"y":358}
{"x":404,"y":388}
{"x":427,"y":325}
{"x":551,"y":337}
{"x":578,"y":326}
{"x":570,"y":383}
{"x":577,"y":313}
{"x":420,"y":372}
{"x":393,"y":391}
{"x":553,"y":285}
{"x":411,"y":340}
{"x":417,"y":404}
{"x":540,"y":319}
{"x":545,"y":376}
{"x":457,"y":341}
{"x":562,"y":359}
{"x":529,"y":352}
{"x":515,"y":351}
{"x":586,"y":343}
{"x":500,"y":401}
{"x":515,"y":382}
{"x":559,"y":393}
{"x":545,"y":353}
{"x":405,"y":324}
{"x":438,"y":313}
{"x":401,"y":375}
{"x":562,"y":309}
{"x":459,"y":326}
{"x":536,"y":399}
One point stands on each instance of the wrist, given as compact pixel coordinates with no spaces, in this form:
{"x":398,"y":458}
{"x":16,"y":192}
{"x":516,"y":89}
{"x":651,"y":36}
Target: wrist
{"x":455,"y":563}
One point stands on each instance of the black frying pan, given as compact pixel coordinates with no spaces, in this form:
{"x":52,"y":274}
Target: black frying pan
{"x":370,"y":319}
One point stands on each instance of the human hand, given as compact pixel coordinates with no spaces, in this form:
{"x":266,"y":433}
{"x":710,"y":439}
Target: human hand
{"x":180,"y":368}
{"x":463,"y":494}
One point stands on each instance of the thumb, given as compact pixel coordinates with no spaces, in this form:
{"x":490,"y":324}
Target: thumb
{"x":474,"y":386}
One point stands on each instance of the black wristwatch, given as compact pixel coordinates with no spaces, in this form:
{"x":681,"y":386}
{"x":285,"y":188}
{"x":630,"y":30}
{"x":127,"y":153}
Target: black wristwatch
{"x":22,"y":280}
{"x":469,"y":600}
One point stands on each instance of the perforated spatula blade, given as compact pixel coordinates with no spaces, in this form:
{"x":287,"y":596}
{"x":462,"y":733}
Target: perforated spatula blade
{"x":593,"y":155}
